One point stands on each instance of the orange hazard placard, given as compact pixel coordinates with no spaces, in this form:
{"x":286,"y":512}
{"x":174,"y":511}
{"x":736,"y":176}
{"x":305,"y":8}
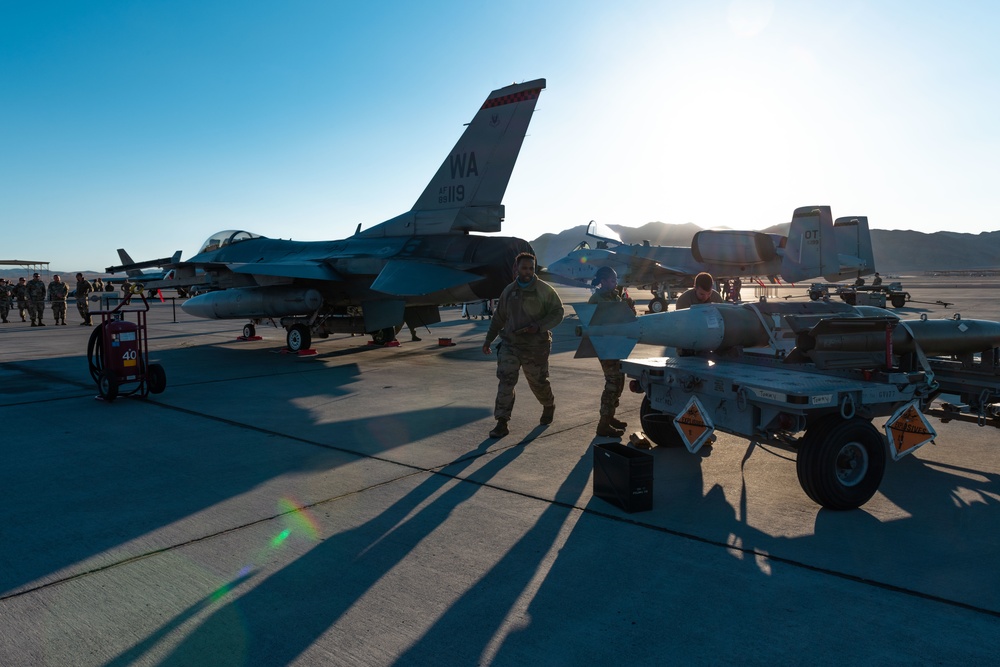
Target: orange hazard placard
{"x":908,"y":429}
{"x":694,"y":425}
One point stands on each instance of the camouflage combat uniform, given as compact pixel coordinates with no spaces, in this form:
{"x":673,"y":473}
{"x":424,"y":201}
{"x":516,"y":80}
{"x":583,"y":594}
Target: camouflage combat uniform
{"x":614,"y":379}
{"x":5,"y":294}
{"x":519,"y":307}
{"x":36,"y":301}
{"x":21,"y":294}
{"x":58,"y":291}
{"x":82,"y":294}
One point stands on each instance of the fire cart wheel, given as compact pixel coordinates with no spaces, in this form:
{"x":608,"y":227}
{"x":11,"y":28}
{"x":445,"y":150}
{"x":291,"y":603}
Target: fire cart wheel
{"x":107,"y":386}
{"x":156,"y":379}
{"x":898,"y":300}
{"x":657,"y":305}
{"x":841,"y":462}
{"x":658,"y":426}
{"x":298,"y":338}
{"x":249,"y":330}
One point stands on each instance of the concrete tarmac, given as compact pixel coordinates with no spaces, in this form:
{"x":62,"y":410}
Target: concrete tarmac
{"x":348,"y":508}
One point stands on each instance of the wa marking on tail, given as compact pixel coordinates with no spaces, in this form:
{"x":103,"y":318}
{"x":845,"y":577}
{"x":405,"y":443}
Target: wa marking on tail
{"x":464,"y":165}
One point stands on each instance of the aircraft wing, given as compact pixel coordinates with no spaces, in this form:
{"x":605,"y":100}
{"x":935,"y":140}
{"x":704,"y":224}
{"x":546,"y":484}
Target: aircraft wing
{"x":304,"y":270}
{"x":410,"y":278}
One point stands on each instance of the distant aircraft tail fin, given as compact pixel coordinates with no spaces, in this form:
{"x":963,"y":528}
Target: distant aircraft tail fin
{"x":811,"y":250}
{"x":466,"y":192}
{"x":854,"y":248}
{"x":126,"y":261}
{"x":819,"y":247}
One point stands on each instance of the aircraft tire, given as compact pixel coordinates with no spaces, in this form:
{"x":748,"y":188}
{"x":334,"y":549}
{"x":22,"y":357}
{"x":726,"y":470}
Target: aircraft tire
{"x":249,"y":330}
{"x":298,"y":338}
{"x":383,"y":336}
{"x":841,"y":462}
{"x":658,"y":426}
{"x":657,"y":305}
{"x":156,"y":379}
{"x":107,"y":386}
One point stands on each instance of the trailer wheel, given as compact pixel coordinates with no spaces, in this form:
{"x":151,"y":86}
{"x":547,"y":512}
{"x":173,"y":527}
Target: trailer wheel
{"x":107,"y":387}
{"x":841,"y":462}
{"x":156,"y":379}
{"x":249,"y":330}
{"x":658,"y":426}
{"x":898,"y":300}
{"x":298,"y":338}
{"x":657,"y":305}
{"x":849,"y":298}
{"x":814,"y":296}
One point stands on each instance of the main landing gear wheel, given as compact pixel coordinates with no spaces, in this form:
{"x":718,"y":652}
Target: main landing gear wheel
{"x":658,"y":426}
{"x":383,"y":336}
{"x":107,"y":387}
{"x":249,"y":330}
{"x":657,"y":305}
{"x":298,"y":338}
{"x":156,"y":379}
{"x":841,"y":462}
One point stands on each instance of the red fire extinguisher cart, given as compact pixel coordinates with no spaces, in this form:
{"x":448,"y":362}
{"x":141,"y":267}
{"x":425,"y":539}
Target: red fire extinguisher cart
{"x":118,"y":353}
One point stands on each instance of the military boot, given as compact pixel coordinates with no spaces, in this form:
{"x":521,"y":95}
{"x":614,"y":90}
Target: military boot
{"x":606,"y":430}
{"x":617,"y":423}
{"x":548,"y":413}
{"x":500,"y":430}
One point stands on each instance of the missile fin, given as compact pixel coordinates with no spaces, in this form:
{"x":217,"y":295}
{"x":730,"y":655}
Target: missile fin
{"x":612,"y":347}
{"x":586,"y":349}
{"x":612,"y":312}
{"x":585,"y":311}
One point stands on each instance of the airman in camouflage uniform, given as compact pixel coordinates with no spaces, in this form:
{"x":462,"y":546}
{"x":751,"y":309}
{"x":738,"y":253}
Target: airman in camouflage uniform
{"x":21,"y":294}
{"x":606,"y":281}
{"x":82,"y":294}
{"x":527,"y":312}
{"x":36,"y":301}
{"x":58,"y":291}
{"x":5,"y":293}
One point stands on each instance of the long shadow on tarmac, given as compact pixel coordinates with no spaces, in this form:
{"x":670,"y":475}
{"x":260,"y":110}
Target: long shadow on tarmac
{"x":339,"y":571}
{"x":119,"y":472}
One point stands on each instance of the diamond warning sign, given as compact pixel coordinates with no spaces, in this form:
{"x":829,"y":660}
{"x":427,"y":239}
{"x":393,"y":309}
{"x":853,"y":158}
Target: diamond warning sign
{"x":694,"y":425}
{"x":908,"y":429}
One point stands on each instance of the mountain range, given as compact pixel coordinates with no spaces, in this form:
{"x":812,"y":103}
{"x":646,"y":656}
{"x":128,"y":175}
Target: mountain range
{"x":896,"y":251}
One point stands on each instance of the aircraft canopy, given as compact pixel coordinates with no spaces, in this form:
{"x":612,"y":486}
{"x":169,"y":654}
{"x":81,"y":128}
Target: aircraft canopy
{"x":224,"y":238}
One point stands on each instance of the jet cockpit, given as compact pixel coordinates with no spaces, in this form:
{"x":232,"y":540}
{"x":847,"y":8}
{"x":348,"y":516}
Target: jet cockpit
{"x":227,"y":237}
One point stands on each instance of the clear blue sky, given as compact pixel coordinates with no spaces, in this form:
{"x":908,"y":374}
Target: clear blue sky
{"x":150,"y":125}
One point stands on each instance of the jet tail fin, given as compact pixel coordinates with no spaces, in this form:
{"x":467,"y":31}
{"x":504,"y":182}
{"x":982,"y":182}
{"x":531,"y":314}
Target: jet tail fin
{"x":466,"y":192}
{"x":811,"y":250}
{"x":854,"y":248}
{"x":819,"y":247}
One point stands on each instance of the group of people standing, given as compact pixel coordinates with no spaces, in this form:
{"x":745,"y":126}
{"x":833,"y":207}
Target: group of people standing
{"x":30,"y":296}
{"x":526,"y":313}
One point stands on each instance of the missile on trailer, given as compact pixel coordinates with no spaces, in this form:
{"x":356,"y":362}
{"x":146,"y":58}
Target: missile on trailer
{"x":820,"y":330}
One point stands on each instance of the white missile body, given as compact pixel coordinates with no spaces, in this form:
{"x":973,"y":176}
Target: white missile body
{"x":613,"y":330}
